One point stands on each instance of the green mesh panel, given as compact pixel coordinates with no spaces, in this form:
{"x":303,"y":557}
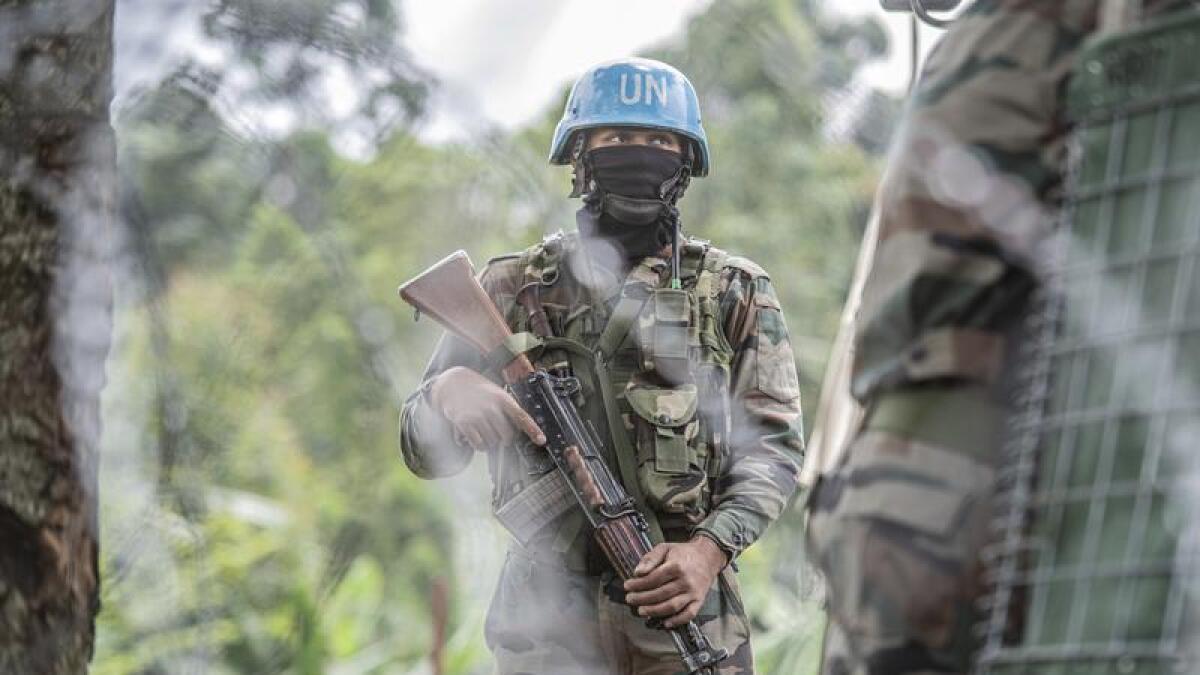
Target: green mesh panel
{"x":1096,"y":569}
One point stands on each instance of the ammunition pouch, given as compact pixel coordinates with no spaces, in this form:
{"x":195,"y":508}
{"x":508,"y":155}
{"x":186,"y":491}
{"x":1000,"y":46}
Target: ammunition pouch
{"x":672,"y":462}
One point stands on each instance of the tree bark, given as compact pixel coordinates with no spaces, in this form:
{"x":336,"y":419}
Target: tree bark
{"x":57,"y":169}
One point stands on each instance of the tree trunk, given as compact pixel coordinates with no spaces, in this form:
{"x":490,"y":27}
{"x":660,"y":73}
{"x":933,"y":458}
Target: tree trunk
{"x":56,"y":211}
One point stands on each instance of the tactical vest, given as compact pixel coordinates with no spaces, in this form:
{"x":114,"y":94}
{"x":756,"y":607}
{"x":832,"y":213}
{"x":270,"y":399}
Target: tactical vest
{"x":1097,"y":561}
{"x":654,"y":369}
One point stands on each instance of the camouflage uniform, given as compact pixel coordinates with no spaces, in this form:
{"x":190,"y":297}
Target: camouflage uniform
{"x":717,"y":454}
{"x":898,"y":525}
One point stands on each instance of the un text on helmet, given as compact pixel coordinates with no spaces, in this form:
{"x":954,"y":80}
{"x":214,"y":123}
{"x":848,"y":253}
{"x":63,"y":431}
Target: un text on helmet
{"x":654,"y":88}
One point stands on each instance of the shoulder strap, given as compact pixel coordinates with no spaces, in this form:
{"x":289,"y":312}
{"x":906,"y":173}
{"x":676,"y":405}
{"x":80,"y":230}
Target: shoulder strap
{"x":513,"y":346}
{"x":716,"y":351}
{"x":635,"y":293}
{"x":538,"y":267}
{"x":626,"y":454}
{"x":708,"y":290}
{"x":620,"y":323}
{"x":692,"y":259}
{"x":707,"y":282}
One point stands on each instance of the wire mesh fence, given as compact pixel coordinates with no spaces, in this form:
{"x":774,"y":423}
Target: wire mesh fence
{"x":1095,"y":570}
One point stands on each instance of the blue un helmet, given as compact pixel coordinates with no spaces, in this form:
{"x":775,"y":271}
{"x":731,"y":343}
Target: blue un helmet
{"x":632,"y":92}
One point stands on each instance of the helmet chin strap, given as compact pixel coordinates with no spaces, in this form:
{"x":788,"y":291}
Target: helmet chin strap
{"x":672,"y":191}
{"x":580,"y":171}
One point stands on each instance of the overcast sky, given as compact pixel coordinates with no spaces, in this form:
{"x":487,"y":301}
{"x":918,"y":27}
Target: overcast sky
{"x":503,"y":63}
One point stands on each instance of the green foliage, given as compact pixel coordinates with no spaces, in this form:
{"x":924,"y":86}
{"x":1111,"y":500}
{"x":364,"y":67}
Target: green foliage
{"x":256,"y":518}
{"x":290,"y":46}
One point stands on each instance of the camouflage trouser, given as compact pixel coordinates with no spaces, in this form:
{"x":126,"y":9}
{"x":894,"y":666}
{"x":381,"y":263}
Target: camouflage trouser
{"x":897,"y":532}
{"x":545,"y":620}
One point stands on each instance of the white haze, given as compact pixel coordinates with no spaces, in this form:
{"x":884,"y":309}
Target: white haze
{"x":501,"y":64}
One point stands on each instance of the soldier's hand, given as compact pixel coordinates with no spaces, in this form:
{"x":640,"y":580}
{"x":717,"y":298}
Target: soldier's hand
{"x":483,"y":415}
{"x":672,"y":580}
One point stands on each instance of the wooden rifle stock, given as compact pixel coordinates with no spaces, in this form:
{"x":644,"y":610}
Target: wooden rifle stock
{"x":449,"y":293}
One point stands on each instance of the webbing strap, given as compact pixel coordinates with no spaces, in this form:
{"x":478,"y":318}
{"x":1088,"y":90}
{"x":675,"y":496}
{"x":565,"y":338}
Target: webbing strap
{"x":568,"y":345}
{"x":624,"y":315}
{"x":694,"y":253}
{"x":626,"y":454}
{"x":708,"y":291}
{"x":709,"y":273}
{"x":513,"y":346}
{"x":583,"y":360}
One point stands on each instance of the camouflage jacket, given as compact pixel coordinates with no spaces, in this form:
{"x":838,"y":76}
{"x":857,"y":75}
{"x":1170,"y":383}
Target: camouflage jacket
{"x":969,"y":201}
{"x":730,"y":490}
{"x":971,"y":190}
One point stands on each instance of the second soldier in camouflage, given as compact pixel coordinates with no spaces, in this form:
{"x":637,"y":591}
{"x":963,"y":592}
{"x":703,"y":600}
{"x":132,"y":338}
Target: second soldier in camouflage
{"x":898,"y":523}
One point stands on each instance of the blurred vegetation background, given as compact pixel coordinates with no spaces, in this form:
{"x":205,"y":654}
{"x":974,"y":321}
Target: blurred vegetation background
{"x":255,"y":515}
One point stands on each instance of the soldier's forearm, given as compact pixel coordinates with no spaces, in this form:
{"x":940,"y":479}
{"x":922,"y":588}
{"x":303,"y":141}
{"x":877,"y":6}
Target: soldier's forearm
{"x":734,"y":526}
{"x":758,"y":486}
{"x":427,"y":442}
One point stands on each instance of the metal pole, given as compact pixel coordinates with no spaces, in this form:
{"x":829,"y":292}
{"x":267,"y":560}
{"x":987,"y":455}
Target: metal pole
{"x":914,"y":32}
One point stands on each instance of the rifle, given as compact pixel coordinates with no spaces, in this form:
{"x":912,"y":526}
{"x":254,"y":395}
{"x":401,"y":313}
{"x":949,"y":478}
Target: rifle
{"x":449,"y":293}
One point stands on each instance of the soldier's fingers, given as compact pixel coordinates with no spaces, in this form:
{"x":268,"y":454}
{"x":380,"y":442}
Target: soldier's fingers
{"x":691,"y":611}
{"x":474,"y":439}
{"x":656,"y":595}
{"x":523,"y":421}
{"x":501,"y":432}
{"x":670,"y":607}
{"x":653,"y":558}
{"x":659,"y":576}
{"x":483,"y":425}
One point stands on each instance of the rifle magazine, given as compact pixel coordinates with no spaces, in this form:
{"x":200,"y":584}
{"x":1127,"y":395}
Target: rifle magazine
{"x":531,"y":510}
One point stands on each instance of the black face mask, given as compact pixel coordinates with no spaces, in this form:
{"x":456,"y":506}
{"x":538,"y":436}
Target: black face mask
{"x":635,"y":171}
{"x":632,"y":205}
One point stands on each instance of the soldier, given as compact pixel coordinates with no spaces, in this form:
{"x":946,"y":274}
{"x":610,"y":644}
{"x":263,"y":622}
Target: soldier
{"x":898,"y":521}
{"x":687,"y":375}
